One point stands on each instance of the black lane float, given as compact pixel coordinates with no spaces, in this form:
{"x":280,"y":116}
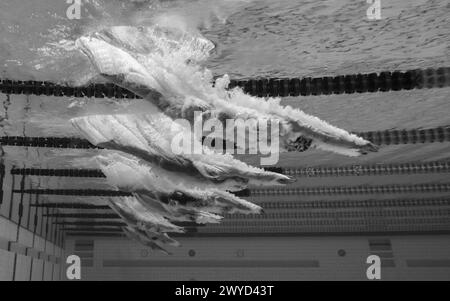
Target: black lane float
{"x":262,"y":87}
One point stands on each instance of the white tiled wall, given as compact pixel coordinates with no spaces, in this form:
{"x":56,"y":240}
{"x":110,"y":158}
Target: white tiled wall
{"x":217,"y":251}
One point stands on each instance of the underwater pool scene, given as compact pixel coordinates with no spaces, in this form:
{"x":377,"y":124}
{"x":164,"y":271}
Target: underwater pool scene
{"x":223,"y":140}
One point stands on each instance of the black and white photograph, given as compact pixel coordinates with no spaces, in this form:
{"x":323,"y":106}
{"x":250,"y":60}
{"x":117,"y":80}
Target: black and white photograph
{"x":224,"y":147}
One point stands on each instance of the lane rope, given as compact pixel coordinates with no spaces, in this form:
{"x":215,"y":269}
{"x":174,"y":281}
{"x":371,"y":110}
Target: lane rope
{"x":293,"y":191}
{"x":262,"y":87}
{"x":387,"y":137}
{"x":406,"y":168}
